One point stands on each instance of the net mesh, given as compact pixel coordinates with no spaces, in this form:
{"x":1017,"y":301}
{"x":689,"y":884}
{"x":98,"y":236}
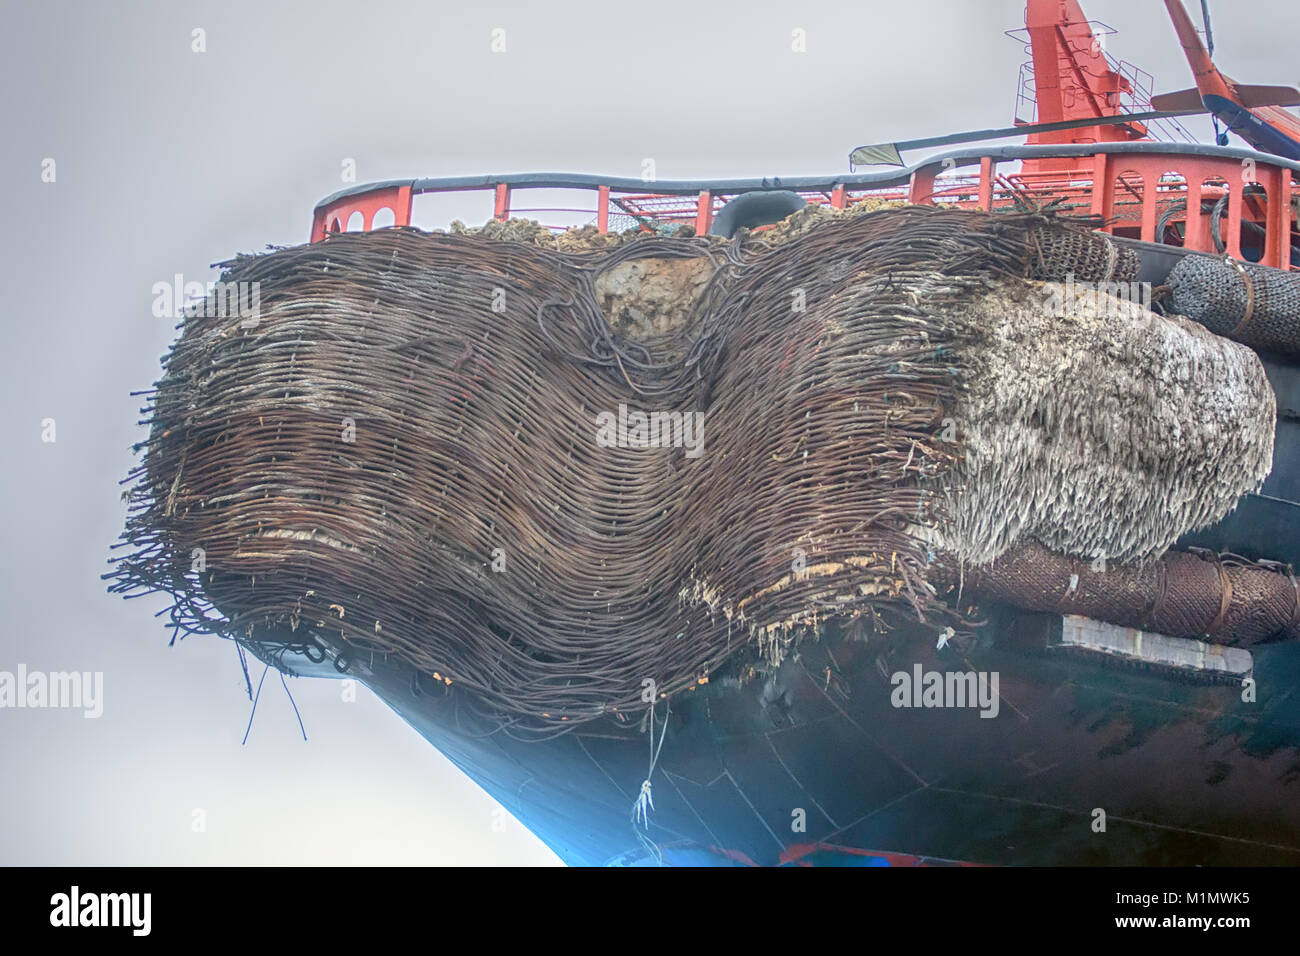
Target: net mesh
{"x":437,"y":447}
{"x":1226,"y":598}
{"x":1249,"y":303}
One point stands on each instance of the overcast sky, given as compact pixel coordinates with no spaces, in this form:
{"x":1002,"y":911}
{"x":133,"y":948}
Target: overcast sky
{"x":167,"y":160}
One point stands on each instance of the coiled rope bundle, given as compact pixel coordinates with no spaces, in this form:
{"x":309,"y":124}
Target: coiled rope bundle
{"x":403,"y":454}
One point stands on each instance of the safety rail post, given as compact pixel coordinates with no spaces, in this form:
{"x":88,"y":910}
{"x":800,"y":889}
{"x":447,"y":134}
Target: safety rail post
{"x":402,"y":208}
{"x":602,"y":209}
{"x":1286,"y":205}
{"x":501,"y":208}
{"x":1236,"y":202}
{"x":987,"y":166}
{"x":1103,"y":191}
{"x":838,"y":199}
{"x":1194,"y":234}
{"x":1150,"y":195}
{"x":704,"y":213}
{"x":921,"y":190}
{"x":1277,"y":249}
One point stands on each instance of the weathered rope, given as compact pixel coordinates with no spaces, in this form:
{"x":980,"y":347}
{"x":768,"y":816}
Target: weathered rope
{"x":401,"y":456}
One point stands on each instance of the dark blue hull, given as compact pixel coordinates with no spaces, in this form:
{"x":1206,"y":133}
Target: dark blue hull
{"x":1185,"y":774}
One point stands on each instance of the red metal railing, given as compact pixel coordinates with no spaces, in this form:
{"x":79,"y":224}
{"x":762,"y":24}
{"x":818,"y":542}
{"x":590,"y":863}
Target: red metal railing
{"x":335,"y":218}
{"x":1133,"y":189}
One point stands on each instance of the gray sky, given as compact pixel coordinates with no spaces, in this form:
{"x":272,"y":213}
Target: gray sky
{"x":168,"y":160}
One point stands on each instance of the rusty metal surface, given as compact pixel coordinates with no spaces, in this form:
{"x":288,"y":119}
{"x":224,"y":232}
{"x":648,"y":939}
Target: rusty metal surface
{"x":400,"y":456}
{"x":1183,"y":594}
{"x":475,"y":430}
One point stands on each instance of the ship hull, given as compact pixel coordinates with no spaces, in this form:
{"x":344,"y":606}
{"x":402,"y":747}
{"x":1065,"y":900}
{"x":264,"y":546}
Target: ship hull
{"x":1083,"y":763}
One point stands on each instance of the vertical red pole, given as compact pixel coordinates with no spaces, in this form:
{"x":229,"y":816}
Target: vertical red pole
{"x":1235,"y":205}
{"x":838,"y":197}
{"x":1150,"y":177}
{"x":402,"y":207}
{"x":1286,"y":200}
{"x":1102,"y":190}
{"x":1279,"y":215}
{"x":1194,"y":235}
{"x":501,"y":209}
{"x":986,"y":183}
{"x":602,"y":209}
{"x":704,"y":213}
{"x":921,"y":191}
